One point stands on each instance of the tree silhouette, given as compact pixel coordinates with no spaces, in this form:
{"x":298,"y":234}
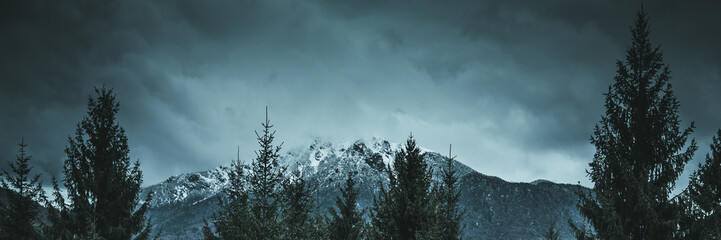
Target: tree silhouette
{"x":406,"y":210}
{"x":232,"y":221}
{"x":103,"y":185}
{"x":639,"y":148}
{"x":23,"y":190}
{"x":382,"y":222}
{"x":58,"y":216}
{"x":297,"y":205}
{"x":265,"y":181}
{"x":346,"y":222}
{"x":701,"y":201}
{"x":450,"y":214}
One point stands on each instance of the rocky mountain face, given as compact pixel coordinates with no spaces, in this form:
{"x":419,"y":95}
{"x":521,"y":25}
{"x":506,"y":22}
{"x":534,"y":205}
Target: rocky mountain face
{"x":494,"y":208}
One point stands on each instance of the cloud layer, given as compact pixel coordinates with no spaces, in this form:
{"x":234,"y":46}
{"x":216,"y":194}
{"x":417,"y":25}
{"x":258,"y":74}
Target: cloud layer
{"x":516,"y":87}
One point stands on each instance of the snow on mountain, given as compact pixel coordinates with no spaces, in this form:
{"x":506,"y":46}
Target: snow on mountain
{"x":196,"y":186}
{"x":182,"y":202}
{"x":322,"y":161}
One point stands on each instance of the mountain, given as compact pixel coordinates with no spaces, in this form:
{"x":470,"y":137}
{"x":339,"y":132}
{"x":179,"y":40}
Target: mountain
{"x":494,"y":208}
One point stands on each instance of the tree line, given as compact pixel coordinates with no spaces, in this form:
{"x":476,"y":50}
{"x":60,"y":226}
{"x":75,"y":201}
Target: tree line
{"x":104,"y":201}
{"x":101,"y":182}
{"x":262,"y":203}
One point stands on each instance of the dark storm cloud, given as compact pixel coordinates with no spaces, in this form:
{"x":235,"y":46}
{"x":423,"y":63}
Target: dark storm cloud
{"x":516,"y":86}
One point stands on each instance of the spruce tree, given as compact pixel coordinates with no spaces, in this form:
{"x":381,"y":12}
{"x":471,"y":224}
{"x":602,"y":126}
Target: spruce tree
{"x":346,"y":222}
{"x":450,"y":214}
{"x":23,"y":190}
{"x":640,"y":148}
{"x":406,"y":210}
{"x":701,"y":201}
{"x":265,"y":181}
{"x":382,"y":223}
{"x":103,"y":185}
{"x":297,"y":204}
{"x":232,"y":221}
{"x":58,"y":216}
{"x":320,"y":223}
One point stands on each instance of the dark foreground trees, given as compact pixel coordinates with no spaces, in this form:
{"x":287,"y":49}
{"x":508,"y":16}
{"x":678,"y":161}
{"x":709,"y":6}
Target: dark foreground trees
{"x":253,"y":212}
{"x":296,"y":208}
{"x":701,"y":201}
{"x":406,"y":209}
{"x":346,"y":222}
{"x":264,"y":186}
{"x":414,"y":206}
{"x":18,"y":219}
{"x":103,"y":185}
{"x":269,"y":205}
{"x":233,"y":220}
{"x":449,"y":213}
{"x":641,"y":148}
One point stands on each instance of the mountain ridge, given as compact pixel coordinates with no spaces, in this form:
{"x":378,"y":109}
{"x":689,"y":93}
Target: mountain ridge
{"x":181,"y":202}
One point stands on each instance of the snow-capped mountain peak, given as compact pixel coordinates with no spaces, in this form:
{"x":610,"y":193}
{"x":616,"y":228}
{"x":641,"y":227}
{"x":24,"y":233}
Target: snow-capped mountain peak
{"x":323,"y":161}
{"x":494,"y":208}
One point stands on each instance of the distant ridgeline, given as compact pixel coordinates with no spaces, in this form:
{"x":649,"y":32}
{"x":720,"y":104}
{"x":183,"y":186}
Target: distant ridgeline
{"x":494,"y":208}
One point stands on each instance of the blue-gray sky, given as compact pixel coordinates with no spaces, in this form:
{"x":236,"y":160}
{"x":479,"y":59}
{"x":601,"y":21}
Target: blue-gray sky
{"x":515,"y":86}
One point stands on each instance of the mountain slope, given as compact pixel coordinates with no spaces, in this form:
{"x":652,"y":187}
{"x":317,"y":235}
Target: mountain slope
{"x":495,"y":209}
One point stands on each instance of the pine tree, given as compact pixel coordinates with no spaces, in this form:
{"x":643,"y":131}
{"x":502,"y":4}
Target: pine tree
{"x":701,"y":201}
{"x":103,"y":185}
{"x":265,"y":181}
{"x":232,"y":221}
{"x":21,"y":211}
{"x":297,"y":204}
{"x":437,"y":221}
{"x":450,"y":214}
{"x":382,"y":223}
{"x":320,"y":223}
{"x":406,"y":210}
{"x":58,"y":215}
{"x":639,"y":148}
{"x":346,"y":222}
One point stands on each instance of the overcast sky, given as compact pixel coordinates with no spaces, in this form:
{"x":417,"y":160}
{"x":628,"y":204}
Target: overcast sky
{"x":515,"y":86}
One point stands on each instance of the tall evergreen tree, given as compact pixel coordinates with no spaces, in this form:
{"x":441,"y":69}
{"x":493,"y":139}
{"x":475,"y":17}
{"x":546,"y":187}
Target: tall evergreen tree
{"x":701,"y":201}
{"x":23,"y":190}
{"x":346,"y":222}
{"x":640,"y":148}
{"x":406,"y":210}
{"x":297,"y":205}
{"x":264,"y":186}
{"x":450,"y":214}
{"x":232,"y":221}
{"x":103,"y":185}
